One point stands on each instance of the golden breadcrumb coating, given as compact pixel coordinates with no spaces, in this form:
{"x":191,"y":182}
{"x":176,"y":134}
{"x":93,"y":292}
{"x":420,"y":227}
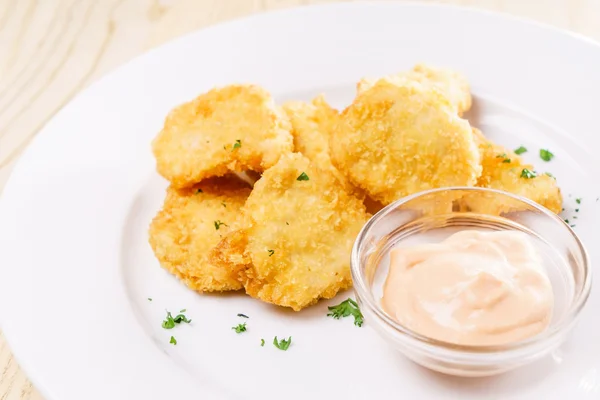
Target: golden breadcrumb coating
{"x":450,"y":83}
{"x":312,"y":125}
{"x":395,"y":140}
{"x":233,"y":128}
{"x":296,"y":247}
{"x":503,"y":170}
{"x":184,"y":232}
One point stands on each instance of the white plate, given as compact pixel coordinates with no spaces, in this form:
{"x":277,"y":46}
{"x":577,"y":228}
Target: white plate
{"x":77,"y":271}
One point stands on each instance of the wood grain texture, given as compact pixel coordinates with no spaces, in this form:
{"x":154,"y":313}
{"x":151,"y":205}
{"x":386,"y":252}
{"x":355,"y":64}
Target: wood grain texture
{"x":52,"y":49}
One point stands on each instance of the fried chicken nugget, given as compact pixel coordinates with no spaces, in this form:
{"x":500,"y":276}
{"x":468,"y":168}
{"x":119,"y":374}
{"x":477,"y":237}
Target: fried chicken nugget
{"x":233,"y":128}
{"x":395,"y":140}
{"x":193,"y":221}
{"x":301,"y":228}
{"x":312,"y":124}
{"x":505,"y":170}
{"x":450,"y":83}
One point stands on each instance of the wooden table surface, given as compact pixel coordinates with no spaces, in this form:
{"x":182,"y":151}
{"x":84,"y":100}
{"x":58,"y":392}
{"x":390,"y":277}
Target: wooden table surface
{"x":52,"y":49}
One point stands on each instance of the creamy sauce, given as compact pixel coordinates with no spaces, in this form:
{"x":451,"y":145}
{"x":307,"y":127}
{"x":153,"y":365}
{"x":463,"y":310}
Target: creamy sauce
{"x":474,"y":288}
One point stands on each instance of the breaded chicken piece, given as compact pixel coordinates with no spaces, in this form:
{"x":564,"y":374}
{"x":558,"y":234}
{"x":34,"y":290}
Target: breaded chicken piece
{"x":395,"y":140}
{"x":233,"y":128}
{"x":505,"y":170}
{"x":450,"y":83}
{"x":301,"y":228}
{"x":312,"y":124}
{"x":193,"y":221}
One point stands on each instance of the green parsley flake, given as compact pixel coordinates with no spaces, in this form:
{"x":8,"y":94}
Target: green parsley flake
{"x":239,"y":328}
{"x":506,"y":160}
{"x":262,"y":342}
{"x":302,"y":177}
{"x":237,"y":145}
{"x":149,"y":298}
{"x":550,"y":175}
{"x":521,"y":150}
{"x":181,"y":318}
{"x":577,"y":210}
{"x":546,"y":155}
{"x":282,"y":344}
{"x":503,"y":155}
{"x":169,"y":322}
{"x":271,"y":252}
{"x":578,"y":201}
{"x":573,"y":226}
{"x":346,"y":308}
{"x":528,"y":174}
{"x":566,"y":221}
{"x":173,"y":341}
{"x":243,"y":316}
{"x":218,"y":224}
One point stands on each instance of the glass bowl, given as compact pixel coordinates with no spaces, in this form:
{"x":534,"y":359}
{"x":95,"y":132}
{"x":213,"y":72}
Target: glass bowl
{"x":433,"y":215}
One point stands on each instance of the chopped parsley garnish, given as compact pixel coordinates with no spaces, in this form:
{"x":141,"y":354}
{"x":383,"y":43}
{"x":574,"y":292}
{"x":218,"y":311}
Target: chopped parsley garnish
{"x":240,"y":328}
{"x":287,"y":223}
{"x":546,"y":155}
{"x":550,"y":175}
{"x":346,"y":308}
{"x":521,"y":150}
{"x":236,"y":145}
{"x":503,"y":155}
{"x":184,"y":310}
{"x":566,"y":221}
{"x":282,"y":344}
{"x":243,"y":316}
{"x":262,"y":342}
{"x":578,"y":200}
{"x":573,"y":226}
{"x":218,"y":224}
{"x":149,"y":298}
{"x":577,"y":210}
{"x":528,"y":174}
{"x":302,"y":177}
{"x":173,"y":341}
{"x":271,"y":252}
{"x":169,"y":322}
{"x":574,"y":216}
{"x":199,"y":191}
{"x":181,"y":318}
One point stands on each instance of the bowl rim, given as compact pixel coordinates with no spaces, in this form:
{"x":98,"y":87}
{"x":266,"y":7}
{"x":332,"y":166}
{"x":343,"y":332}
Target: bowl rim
{"x":365,"y":296}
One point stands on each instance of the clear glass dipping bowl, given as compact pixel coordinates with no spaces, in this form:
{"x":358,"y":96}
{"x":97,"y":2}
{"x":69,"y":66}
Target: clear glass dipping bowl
{"x":433,"y":215}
